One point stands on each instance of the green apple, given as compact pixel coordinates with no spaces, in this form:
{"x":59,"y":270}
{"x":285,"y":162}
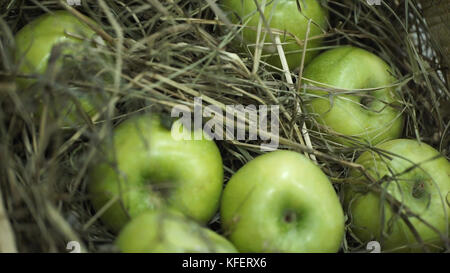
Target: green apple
{"x":167,"y":231}
{"x":285,"y":16}
{"x":282,"y":202}
{"x":147,"y":168}
{"x":371,"y":116}
{"x":34,"y":44}
{"x":424,"y":189}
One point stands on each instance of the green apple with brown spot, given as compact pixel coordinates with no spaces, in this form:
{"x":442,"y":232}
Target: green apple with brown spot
{"x":417,"y":176}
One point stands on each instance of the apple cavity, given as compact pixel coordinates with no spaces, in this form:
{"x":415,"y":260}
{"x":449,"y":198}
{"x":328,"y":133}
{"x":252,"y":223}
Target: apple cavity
{"x":147,"y":169}
{"x":414,"y":174}
{"x":282,"y":202}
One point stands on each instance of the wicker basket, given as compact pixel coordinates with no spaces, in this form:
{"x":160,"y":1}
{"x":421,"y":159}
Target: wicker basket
{"x":437,"y":14}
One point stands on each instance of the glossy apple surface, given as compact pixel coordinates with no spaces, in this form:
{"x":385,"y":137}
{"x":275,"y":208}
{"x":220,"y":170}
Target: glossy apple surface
{"x":370,"y":116}
{"x":424,"y":189}
{"x":282,"y":202}
{"x":283,"y":15}
{"x":153,"y":170}
{"x":169,"y":232}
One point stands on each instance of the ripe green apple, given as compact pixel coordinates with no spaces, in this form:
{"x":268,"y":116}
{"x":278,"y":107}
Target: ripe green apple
{"x":34,"y":44}
{"x":282,"y":202}
{"x":424,"y":189}
{"x":285,"y":16}
{"x":168,"y":231}
{"x":147,"y":168}
{"x":370,"y":116}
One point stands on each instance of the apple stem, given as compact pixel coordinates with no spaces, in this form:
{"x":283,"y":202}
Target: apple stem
{"x":290,"y":216}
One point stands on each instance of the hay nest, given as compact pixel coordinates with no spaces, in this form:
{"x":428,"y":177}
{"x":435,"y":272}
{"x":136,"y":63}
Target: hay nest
{"x":167,"y":53}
